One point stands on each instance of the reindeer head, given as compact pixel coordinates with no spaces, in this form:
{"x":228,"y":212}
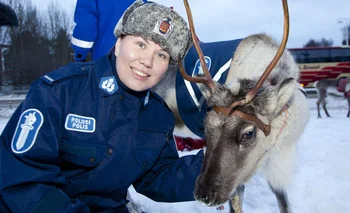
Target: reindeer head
{"x":260,"y":83}
{"x":236,"y":146}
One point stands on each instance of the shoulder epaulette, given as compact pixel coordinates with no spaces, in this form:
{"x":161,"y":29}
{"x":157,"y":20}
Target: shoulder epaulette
{"x":70,"y":70}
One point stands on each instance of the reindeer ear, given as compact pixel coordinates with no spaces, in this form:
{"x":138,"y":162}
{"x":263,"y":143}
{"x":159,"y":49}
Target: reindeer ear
{"x":285,"y":91}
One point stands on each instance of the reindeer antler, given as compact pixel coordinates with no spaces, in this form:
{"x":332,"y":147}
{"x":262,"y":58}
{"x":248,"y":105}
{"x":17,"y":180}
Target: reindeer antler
{"x":207,"y":79}
{"x":252,"y":93}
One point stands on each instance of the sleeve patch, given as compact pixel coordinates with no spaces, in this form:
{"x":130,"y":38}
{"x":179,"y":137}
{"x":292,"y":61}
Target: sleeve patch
{"x":27,"y":130}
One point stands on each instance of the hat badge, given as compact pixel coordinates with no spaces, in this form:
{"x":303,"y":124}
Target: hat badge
{"x":164,"y":27}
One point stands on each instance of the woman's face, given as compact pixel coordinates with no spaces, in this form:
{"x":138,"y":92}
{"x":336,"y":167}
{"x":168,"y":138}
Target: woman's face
{"x":141,"y":63}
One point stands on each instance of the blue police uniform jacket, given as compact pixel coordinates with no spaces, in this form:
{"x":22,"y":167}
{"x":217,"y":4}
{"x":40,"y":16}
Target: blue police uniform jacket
{"x":95,"y":22}
{"x":191,"y":102}
{"x":81,"y":138}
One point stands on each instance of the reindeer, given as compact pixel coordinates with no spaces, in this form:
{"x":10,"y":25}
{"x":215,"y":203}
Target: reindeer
{"x":256,"y":117}
{"x":335,"y":87}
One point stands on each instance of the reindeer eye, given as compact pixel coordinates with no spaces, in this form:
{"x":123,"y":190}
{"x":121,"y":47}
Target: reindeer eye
{"x":248,"y":136}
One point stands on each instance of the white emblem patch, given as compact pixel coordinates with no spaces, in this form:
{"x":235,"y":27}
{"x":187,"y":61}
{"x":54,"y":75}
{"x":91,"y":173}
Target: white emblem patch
{"x":27,"y":130}
{"x":80,"y":123}
{"x":198,"y":70}
{"x":109,"y":84}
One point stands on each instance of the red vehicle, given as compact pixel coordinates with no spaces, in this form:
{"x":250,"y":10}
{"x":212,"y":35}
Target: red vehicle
{"x":317,"y":63}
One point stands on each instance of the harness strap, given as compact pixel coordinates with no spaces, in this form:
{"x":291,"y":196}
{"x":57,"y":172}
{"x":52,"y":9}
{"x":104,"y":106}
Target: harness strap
{"x":285,"y":110}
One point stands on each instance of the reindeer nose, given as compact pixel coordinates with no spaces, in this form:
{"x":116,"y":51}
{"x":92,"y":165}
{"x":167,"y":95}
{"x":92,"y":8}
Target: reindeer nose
{"x":205,"y":199}
{"x":202,"y":199}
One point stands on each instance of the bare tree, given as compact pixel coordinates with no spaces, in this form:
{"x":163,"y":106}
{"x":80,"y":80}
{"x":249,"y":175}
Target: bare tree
{"x":26,"y":45}
{"x":322,"y":43}
{"x":346,"y":32}
{"x":57,"y":27}
{"x":8,"y":18}
{"x":38,"y":45}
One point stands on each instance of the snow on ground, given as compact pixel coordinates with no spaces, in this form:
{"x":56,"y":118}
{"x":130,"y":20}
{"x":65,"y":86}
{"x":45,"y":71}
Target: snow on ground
{"x":322,"y":175}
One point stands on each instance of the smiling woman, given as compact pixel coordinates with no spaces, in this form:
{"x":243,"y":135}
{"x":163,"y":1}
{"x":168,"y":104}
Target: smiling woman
{"x":88,"y":131}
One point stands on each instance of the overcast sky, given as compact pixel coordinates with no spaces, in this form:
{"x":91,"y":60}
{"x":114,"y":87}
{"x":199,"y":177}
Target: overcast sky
{"x":231,"y":19}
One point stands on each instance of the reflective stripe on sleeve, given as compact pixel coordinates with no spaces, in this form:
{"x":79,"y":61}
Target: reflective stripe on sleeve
{"x":81,"y":43}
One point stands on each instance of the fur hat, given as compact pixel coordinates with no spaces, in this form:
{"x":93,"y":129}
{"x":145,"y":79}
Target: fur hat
{"x":157,"y":23}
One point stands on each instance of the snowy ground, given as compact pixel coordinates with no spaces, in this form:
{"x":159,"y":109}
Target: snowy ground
{"x":322,"y":175}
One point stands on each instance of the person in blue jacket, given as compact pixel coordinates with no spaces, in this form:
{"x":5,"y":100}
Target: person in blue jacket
{"x":88,"y":131}
{"x":94,"y":24}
